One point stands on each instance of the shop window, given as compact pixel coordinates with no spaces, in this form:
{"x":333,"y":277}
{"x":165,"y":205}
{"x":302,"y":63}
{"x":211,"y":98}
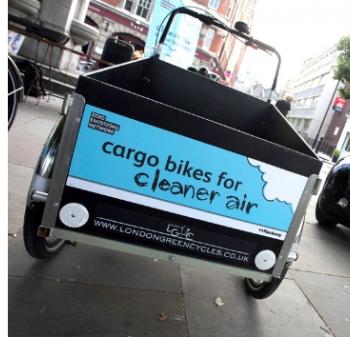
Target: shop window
{"x":214,"y":4}
{"x":128,"y":5}
{"x":143,"y":8}
{"x":208,"y":39}
{"x":346,"y":145}
{"x":138,"y":7}
{"x":230,"y":8}
{"x":306,"y":124}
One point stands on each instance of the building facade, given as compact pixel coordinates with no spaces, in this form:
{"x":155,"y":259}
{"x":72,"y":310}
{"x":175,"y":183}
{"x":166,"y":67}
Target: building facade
{"x":314,"y":92}
{"x":219,"y":52}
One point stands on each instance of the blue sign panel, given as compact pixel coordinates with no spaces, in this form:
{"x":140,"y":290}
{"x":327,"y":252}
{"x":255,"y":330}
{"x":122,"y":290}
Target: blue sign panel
{"x":131,"y":160}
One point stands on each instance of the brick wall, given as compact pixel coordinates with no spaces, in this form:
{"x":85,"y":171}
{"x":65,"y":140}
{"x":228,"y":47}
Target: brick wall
{"x":223,"y":7}
{"x":113,"y":2}
{"x":202,"y":2}
{"x":215,"y":46}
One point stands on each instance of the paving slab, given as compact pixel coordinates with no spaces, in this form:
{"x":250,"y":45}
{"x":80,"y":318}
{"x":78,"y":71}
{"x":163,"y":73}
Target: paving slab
{"x":31,"y":109}
{"x":287,"y":313}
{"x":324,"y":250}
{"x":331,"y":296}
{"x":93,"y":265}
{"x":44,"y":308}
{"x":24,"y":145}
{"x":43,"y":108}
{"x":30,"y":129}
{"x":18,"y":184}
{"x":32,"y":125}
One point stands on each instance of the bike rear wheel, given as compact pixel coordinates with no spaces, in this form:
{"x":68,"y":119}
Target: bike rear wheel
{"x":38,"y":247}
{"x":261,"y":289}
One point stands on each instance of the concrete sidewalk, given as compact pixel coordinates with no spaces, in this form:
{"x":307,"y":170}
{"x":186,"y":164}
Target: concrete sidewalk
{"x":93,"y":292}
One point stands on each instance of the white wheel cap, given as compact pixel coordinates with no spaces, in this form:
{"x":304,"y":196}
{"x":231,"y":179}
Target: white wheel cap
{"x":74,"y":215}
{"x":265,"y":260}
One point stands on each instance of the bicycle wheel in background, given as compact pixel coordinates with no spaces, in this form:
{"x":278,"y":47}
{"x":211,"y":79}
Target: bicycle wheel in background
{"x":15,"y":90}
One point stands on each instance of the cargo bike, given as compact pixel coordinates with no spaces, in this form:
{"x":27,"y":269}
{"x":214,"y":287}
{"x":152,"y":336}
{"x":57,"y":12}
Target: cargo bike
{"x":158,"y":161}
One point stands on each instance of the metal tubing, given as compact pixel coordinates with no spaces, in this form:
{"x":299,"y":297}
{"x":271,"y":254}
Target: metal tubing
{"x":292,"y":257}
{"x":293,"y":230}
{"x":38,"y":184}
{"x":64,"y":155}
{"x":14,"y":91}
{"x":39,"y":196}
{"x":212,"y":21}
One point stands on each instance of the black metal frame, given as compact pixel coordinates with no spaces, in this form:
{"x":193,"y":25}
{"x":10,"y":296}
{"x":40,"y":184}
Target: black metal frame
{"x":212,"y":21}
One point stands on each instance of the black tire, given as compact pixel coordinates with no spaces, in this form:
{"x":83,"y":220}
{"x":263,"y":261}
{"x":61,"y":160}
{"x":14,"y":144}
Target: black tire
{"x":321,"y":218}
{"x":261,"y":289}
{"x":36,"y":246}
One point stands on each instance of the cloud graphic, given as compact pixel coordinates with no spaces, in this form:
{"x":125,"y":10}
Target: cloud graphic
{"x":281,"y":184}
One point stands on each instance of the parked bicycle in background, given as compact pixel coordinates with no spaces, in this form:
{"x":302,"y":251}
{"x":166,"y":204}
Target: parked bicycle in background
{"x":15,"y":90}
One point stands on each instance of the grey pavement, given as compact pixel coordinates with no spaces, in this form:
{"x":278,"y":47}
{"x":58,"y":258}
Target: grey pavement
{"x":93,"y":292}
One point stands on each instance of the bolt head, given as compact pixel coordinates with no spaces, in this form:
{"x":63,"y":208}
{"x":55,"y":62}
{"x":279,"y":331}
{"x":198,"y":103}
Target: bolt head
{"x":343,"y":202}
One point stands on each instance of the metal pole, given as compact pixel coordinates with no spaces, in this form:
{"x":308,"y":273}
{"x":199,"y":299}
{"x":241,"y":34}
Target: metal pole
{"x":325,"y":115}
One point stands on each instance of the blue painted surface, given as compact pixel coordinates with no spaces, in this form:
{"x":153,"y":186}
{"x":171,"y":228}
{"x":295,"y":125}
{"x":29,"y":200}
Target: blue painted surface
{"x":158,"y":146}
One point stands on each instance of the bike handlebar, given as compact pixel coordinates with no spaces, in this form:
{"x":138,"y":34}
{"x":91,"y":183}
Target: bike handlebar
{"x":212,"y":21}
